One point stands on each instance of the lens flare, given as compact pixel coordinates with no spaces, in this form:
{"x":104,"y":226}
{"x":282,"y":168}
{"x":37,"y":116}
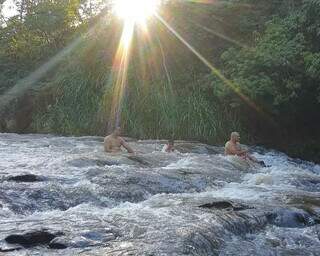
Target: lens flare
{"x":133,"y":12}
{"x":136,"y":11}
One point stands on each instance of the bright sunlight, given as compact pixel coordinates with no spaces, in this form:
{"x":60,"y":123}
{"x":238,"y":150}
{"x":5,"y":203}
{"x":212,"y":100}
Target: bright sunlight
{"x":135,"y":11}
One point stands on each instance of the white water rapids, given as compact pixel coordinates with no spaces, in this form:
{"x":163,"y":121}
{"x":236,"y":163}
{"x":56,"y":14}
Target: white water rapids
{"x":150,"y":204}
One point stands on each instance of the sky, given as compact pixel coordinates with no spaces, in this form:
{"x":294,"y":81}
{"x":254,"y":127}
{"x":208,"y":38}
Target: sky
{"x":9,"y":9}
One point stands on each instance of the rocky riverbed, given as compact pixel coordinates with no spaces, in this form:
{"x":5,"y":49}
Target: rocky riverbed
{"x":65,"y":196}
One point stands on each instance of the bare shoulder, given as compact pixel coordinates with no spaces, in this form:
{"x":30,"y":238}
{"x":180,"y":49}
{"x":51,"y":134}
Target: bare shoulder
{"x":227,"y":144}
{"x":107,"y":138}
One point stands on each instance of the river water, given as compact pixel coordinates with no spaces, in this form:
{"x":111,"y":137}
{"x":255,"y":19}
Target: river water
{"x":195,"y":202}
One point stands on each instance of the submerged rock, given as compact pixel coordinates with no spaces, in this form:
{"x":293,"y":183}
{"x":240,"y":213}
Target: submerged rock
{"x":199,"y":148}
{"x":10,"y":249}
{"x":87,"y":162}
{"x":292,"y":218}
{"x":58,"y":243}
{"x":26,"y":178}
{"x":34,"y":238}
{"x":139,"y":160}
{"x":225,"y":205}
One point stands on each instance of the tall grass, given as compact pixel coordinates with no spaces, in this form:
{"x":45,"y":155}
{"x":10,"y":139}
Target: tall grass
{"x":157,"y":112}
{"x":83,"y":103}
{"x":154,"y":107}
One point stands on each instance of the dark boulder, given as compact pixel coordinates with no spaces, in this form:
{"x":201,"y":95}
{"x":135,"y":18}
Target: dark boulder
{"x":225,"y":205}
{"x":34,"y":238}
{"x":58,"y":244}
{"x":26,"y":178}
{"x":10,"y":249}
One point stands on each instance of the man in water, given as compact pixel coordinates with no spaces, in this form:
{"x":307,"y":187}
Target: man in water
{"x":169,"y":147}
{"x":113,"y":142}
{"x":233,"y":148}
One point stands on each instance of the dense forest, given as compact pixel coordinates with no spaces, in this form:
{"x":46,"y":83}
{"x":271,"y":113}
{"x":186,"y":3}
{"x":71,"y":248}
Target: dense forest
{"x":202,"y":70}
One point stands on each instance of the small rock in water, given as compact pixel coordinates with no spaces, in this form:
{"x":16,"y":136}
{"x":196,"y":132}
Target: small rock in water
{"x":225,"y":205}
{"x":58,"y":244}
{"x":273,"y":242}
{"x":109,"y":237}
{"x":264,"y":179}
{"x":25,"y":178}
{"x":10,"y":249}
{"x":93,"y":235}
{"x":82,"y":242}
{"x":291,"y":218}
{"x":31,"y":239}
{"x":218,"y":205}
{"x":87,"y":162}
{"x":139,"y":160}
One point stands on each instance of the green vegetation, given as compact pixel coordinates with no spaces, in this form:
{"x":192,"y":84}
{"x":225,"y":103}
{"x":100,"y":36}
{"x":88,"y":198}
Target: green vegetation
{"x":269,"y":50}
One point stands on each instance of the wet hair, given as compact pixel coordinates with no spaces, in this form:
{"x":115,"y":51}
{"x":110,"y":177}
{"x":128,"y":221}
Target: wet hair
{"x":171,"y":141}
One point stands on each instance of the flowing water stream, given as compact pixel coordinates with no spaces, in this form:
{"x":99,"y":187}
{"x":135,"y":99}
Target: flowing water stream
{"x":196,"y":202}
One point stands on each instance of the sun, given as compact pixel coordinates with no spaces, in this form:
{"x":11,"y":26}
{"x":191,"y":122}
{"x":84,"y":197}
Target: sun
{"x":135,"y":11}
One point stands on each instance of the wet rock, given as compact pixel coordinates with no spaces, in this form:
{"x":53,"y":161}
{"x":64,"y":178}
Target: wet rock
{"x":58,"y":244}
{"x":225,"y":205}
{"x":31,"y":239}
{"x":189,"y":147}
{"x":82,"y":242}
{"x":291,"y":218}
{"x":139,"y":160}
{"x":217,"y":205}
{"x":93,"y":235}
{"x":26,"y":178}
{"x":109,"y":237}
{"x":273,"y":242}
{"x":86,"y":162}
{"x":10,"y":249}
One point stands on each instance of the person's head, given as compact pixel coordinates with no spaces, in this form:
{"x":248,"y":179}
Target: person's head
{"x":171,"y":142}
{"x":117,"y":131}
{"x":235,"y":137}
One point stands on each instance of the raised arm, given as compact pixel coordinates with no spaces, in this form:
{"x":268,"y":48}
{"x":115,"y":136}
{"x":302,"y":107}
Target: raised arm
{"x":126,"y":146}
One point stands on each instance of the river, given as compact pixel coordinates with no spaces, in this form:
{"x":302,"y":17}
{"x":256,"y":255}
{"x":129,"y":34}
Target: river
{"x":195,"y":202}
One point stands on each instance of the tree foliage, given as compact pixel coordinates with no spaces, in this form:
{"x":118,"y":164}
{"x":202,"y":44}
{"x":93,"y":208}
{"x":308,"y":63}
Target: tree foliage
{"x":266,"y":52}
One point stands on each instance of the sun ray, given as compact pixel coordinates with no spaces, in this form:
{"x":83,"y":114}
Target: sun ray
{"x":120,"y":70}
{"x":136,"y":11}
{"x":164,"y":63}
{"x":133,"y":12}
{"x":211,"y":31}
{"x":214,"y":70}
{"x":31,"y":81}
